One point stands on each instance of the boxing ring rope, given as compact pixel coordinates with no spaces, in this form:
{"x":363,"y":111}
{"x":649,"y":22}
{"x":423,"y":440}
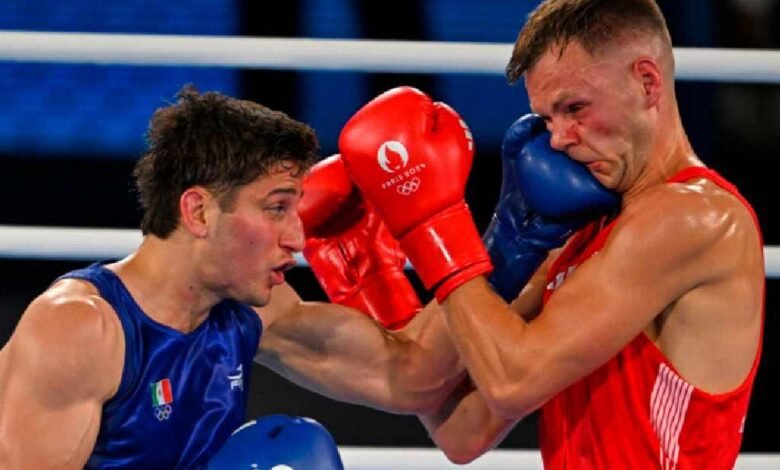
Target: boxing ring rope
{"x":733,"y":65}
{"x":92,"y":244}
{"x":72,"y":243}
{"x":375,"y":458}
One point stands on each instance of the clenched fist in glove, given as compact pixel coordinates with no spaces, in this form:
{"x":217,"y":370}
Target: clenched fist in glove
{"x":545,"y":197}
{"x":411,"y":158}
{"x":354,"y":257}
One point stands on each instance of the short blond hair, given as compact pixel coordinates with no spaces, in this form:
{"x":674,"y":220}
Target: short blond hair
{"x":595,"y":24}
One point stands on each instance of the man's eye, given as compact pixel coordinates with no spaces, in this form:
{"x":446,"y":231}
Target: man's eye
{"x":277,"y":209}
{"x":575,"y":107}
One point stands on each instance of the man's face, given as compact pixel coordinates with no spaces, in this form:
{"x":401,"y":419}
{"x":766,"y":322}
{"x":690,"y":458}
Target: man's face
{"x":593,"y":110}
{"x":253,"y":242}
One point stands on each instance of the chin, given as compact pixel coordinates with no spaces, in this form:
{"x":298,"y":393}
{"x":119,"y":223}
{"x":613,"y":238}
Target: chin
{"x":609,"y":180}
{"x":257,"y":299}
{"x":263,"y":300}
{"x":605,"y":180}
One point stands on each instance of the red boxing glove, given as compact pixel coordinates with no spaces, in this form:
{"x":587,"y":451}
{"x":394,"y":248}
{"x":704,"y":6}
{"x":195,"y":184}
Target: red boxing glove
{"x":411,"y":158}
{"x":354,"y":257}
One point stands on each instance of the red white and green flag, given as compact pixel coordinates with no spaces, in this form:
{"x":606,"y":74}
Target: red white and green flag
{"x":161,"y":392}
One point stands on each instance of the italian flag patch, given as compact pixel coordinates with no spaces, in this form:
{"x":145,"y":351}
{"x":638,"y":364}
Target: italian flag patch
{"x":161,"y":392}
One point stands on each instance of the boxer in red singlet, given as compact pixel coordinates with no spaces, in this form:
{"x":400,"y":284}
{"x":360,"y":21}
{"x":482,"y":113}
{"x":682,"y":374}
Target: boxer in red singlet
{"x":639,"y":340}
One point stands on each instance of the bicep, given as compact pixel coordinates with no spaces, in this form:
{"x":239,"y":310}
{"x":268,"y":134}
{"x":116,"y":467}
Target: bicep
{"x":297,"y":329}
{"x":319,"y":345}
{"x":41,"y":429}
{"x":327,"y":347}
{"x":51,"y":392}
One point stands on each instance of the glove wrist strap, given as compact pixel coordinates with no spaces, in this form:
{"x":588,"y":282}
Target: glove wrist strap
{"x":447,"y":247}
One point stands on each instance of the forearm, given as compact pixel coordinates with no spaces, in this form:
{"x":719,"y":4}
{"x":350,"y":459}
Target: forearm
{"x":464,"y":427}
{"x":488,"y":336}
{"x":339,"y":352}
{"x":435,"y":356}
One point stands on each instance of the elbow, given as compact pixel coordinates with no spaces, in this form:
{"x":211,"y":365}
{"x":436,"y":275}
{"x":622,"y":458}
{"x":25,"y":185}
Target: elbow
{"x":409,"y":405}
{"x":429,"y":397}
{"x":421,"y":405}
{"x":463,"y":450}
{"x":399,"y":397}
{"x":510,"y":401}
{"x":418,"y":389}
{"x":462,"y":456}
{"x":420,"y":400}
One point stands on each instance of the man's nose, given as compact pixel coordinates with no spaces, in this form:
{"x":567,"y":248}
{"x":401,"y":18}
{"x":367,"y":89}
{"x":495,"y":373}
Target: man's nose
{"x":293,"y":237}
{"x":562,"y":134}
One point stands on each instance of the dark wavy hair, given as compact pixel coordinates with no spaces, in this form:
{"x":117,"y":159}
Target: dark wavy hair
{"x":214,"y":141}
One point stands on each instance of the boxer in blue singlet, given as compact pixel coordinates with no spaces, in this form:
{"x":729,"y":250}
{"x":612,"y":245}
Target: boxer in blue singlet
{"x":145,"y":362}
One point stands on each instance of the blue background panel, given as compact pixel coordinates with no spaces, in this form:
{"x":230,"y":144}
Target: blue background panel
{"x":66,"y":110}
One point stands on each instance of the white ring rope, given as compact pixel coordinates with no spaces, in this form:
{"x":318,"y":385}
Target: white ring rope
{"x":383,"y":458}
{"x":72,"y":243}
{"x":375,"y":56}
{"x":706,"y":64}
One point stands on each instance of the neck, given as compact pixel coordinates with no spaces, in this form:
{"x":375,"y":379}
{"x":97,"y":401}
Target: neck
{"x":163,"y":279}
{"x":669,"y":152}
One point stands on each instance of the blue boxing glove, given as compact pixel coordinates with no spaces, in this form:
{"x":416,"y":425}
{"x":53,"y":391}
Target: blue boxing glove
{"x":278,"y":442}
{"x":545,"y":197}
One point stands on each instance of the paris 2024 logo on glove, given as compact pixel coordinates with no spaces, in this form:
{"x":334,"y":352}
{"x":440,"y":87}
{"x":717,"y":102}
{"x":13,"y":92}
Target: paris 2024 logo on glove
{"x":393,"y":158}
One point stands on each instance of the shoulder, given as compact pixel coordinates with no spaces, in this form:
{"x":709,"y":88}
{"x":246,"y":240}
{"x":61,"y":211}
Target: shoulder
{"x":73,"y":306}
{"x":686,"y":219}
{"x":70,"y":336}
{"x":698,"y":209}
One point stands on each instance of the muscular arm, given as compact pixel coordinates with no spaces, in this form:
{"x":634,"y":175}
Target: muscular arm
{"x":343,"y":354}
{"x":465,"y":427}
{"x":660,"y":249}
{"x":59,"y":367}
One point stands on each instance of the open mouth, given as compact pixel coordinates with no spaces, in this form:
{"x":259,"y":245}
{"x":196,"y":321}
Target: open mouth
{"x":277,"y":273}
{"x":277,"y":277}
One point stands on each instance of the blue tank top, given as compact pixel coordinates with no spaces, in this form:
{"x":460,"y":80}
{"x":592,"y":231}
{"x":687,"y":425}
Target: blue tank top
{"x":181,"y":395}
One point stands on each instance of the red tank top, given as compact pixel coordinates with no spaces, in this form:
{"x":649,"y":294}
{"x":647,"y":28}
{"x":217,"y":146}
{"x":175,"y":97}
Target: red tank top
{"x":636,"y":411}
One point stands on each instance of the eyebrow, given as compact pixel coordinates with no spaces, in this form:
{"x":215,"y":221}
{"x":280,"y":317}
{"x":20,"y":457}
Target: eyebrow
{"x":283,"y":191}
{"x":558,"y":103}
{"x":556,"y":106}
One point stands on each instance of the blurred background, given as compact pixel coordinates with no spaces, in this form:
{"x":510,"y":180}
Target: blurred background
{"x":70,"y":134}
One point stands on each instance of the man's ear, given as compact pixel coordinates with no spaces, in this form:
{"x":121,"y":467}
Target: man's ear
{"x":193,"y":207}
{"x":651,"y":78}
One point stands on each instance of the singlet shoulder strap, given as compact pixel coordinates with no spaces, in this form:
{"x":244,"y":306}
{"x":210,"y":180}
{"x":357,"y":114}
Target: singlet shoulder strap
{"x":692,"y":172}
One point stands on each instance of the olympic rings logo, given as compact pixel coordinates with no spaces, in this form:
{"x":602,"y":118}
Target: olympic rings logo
{"x":408,"y":187}
{"x":163,"y":412}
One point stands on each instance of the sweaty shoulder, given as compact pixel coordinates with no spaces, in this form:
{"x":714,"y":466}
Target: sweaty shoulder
{"x":70,"y":337}
{"x":687,"y":220}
